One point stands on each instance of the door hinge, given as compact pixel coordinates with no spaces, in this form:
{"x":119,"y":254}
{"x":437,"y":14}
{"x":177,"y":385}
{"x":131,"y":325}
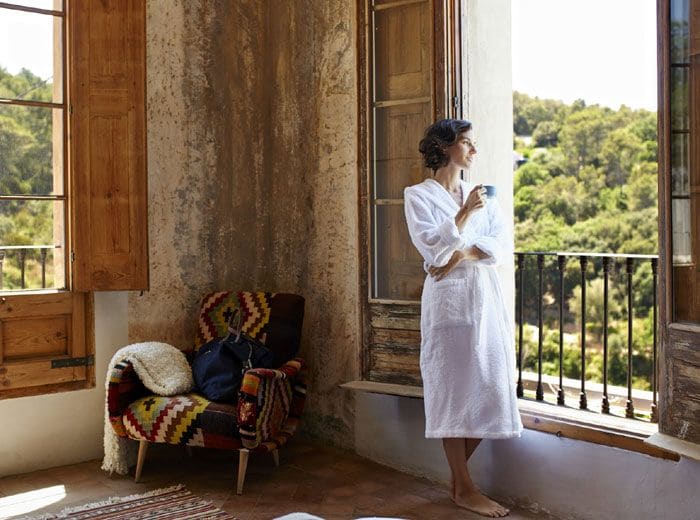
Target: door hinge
{"x":455,"y":102}
{"x":72,"y":256}
{"x":73,"y":362}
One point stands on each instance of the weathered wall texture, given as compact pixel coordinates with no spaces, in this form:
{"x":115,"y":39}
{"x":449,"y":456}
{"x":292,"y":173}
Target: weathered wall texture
{"x":252,"y":127}
{"x":182,"y":174}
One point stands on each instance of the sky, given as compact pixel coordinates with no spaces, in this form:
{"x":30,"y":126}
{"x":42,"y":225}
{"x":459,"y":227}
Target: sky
{"x":603,"y":51}
{"x":26,"y":40}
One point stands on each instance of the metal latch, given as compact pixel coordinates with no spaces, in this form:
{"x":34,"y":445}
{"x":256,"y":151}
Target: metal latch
{"x":73,"y":362}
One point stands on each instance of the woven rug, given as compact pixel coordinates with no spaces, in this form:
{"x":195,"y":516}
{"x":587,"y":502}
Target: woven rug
{"x":173,"y":503}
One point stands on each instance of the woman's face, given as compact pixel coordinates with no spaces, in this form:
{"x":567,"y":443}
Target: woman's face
{"x":463,"y":150}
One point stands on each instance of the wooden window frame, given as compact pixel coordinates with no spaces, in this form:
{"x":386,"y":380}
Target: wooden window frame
{"x":47,"y":336}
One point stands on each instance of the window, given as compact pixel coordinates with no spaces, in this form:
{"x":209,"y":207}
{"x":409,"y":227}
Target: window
{"x":400,"y":95}
{"x":72,"y":181}
{"x":684,"y":177}
{"x":32,"y":147}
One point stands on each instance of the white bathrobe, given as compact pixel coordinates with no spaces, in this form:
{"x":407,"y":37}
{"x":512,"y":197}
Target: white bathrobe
{"x":467,"y":355}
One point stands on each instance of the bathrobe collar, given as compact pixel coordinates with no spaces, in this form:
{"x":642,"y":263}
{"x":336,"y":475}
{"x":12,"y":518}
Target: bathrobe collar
{"x":442,"y":198}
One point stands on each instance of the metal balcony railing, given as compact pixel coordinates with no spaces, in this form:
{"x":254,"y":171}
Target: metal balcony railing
{"x":544,"y":279}
{"x":23,"y":256}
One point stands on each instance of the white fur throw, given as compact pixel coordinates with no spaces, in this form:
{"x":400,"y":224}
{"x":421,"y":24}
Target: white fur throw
{"x":162,"y":369}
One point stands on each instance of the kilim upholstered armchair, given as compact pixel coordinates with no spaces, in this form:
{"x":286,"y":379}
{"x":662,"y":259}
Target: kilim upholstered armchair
{"x":270,"y":402}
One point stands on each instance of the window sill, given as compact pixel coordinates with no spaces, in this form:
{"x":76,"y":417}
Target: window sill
{"x":675,"y":445}
{"x":562,"y":421}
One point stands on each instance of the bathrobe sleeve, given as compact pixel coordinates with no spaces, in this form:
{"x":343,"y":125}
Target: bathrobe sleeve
{"x":435,"y":241}
{"x":498,"y":242}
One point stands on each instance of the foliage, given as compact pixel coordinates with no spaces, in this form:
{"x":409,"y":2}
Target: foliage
{"x":589,"y":186}
{"x":26,"y":168}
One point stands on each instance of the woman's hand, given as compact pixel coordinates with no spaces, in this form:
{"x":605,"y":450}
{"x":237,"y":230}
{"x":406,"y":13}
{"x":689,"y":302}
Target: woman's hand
{"x":471,"y":253}
{"x":475,"y":201}
{"x":474,"y":253}
{"x":441,"y":272}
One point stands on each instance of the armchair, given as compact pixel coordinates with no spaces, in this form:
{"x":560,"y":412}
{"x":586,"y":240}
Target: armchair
{"x":270,"y":401}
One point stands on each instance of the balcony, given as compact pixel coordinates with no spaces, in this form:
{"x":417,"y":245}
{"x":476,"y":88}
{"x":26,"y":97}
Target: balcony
{"x":616,"y":296}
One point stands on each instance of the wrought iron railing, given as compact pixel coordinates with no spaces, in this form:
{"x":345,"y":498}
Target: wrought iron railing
{"x":21,"y":256}
{"x":553,"y":275}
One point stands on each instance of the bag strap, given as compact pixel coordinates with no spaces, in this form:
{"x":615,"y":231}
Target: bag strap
{"x":234,"y":325}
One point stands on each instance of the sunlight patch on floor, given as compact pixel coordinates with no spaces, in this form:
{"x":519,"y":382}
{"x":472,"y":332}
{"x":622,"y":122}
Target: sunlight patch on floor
{"x":22,"y":503}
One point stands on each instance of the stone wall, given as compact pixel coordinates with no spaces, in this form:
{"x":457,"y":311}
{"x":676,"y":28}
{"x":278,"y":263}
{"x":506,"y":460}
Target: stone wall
{"x":252,"y":144}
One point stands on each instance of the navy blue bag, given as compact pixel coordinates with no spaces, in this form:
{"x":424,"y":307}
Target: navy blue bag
{"x":219,"y":365}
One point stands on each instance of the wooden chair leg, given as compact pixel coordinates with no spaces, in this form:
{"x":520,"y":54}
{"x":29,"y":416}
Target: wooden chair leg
{"x":276,"y":457}
{"x":143,"y":448}
{"x":242,"y":466}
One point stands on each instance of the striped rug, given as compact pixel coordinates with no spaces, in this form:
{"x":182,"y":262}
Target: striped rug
{"x":173,"y":503}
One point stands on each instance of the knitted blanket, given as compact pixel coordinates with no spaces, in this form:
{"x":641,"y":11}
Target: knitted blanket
{"x":163,"y":369}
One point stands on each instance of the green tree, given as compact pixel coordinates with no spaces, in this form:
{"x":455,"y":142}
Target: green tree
{"x":589,"y":186}
{"x":26,"y":148}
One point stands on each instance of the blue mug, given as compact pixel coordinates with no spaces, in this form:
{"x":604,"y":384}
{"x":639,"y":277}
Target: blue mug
{"x":490,"y":190}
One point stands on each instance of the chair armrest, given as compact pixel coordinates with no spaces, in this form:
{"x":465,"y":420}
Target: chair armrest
{"x":124,"y":388}
{"x":270,"y":404}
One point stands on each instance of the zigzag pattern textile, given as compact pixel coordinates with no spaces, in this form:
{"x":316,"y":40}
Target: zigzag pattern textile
{"x":218,"y":307}
{"x":270,"y":401}
{"x":266,"y":416}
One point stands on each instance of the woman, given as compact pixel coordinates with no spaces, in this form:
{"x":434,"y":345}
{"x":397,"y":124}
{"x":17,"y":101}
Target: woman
{"x":467,"y":353}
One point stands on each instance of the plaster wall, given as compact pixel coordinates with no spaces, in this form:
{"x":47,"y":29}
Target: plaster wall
{"x":539,"y":471}
{"x":252,"y":185}
{"x":56,"y":429}
{"x":252,"y":176}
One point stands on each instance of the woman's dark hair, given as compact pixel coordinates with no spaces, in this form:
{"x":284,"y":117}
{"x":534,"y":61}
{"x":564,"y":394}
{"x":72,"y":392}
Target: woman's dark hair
{"x":437,"y":138}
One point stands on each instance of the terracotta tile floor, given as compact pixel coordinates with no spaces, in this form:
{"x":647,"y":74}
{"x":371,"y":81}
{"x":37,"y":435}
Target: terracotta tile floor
{"x":326,"y":482}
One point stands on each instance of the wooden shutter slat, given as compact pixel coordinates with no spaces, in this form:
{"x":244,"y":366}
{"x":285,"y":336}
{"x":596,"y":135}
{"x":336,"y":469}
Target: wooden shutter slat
{"x":108,"y":145}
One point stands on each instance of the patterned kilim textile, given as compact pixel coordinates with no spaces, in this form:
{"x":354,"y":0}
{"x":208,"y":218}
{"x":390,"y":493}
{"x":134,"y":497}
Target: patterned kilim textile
{"x":184,"y":419}
{"x":270,"y":402}
{"x":266,"y":416}
{"x":124,"y":386}
{"x":270,"y":405}
{"x":275,"y":318}
{"x":160,"y":504}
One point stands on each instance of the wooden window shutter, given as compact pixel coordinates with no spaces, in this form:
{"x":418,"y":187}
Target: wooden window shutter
{"x":410,"y":69}
{"x":679,"y":282}
{"x":108,"y":145}
{"x":45,"y":343}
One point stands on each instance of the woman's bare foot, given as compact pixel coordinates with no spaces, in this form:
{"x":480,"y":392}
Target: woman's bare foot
{"x":452,"y":488}
{"x":480,"y":504}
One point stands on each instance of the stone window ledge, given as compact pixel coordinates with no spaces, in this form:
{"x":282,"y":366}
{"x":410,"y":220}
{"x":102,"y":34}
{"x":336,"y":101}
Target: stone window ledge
{"x":562,"y":421}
